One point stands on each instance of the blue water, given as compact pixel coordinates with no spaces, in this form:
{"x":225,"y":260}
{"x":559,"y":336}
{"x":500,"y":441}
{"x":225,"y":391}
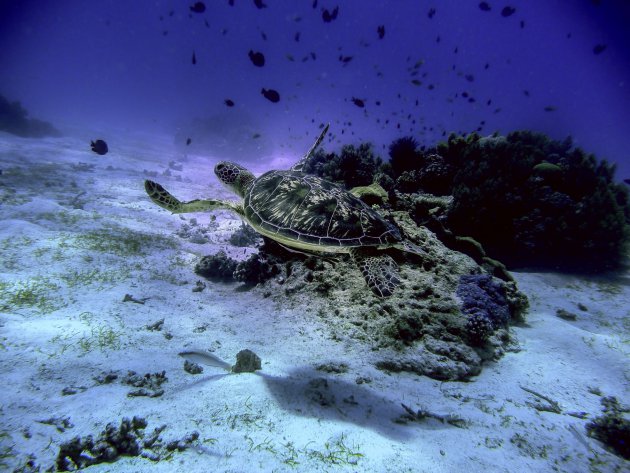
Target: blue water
{"x":113,"y":65}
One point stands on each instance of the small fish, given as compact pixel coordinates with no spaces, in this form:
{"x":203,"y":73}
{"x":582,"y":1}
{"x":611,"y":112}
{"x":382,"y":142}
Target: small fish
{"x":198,"y":7}
{"x":256,"y":135}
{"x":271,"y":95}
{"x":206,"y":23}
{"x":264,"y":36}
{"x":330,"y":16}
{"x":522,"y":23}
{"x":290,"y":57}
{"x":358,"y":102}
{"x":259,"y":4}
{"x":314,"y":4}
{"x":313,"y":56}
{"x":549,"y":108}
{"x":469,"y":77}
{"x":416,"y":82}
{"x":206,"y":358}
{"x":484,"y":6}
{"x":508,"y":11}
{"x":381,"y":31}
{"x":599,"y":48}
{"x":258,"y":59}
{"x":99,"y":147}
{"x":231,"y":3}
{"x":526,"y":92}
{"x":431,"y":13}
{"x":345,"y":59}
{"x":296,"y":37}
{"x":627,"y":181}
{"x":229,"y":102}
{"x":194,"y":59}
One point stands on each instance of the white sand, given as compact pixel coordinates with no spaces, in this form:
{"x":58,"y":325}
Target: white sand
{"x":75,"y":240}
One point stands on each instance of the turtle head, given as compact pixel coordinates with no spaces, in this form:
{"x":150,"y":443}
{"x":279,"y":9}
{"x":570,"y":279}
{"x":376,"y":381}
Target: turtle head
{"x":234,"y":177}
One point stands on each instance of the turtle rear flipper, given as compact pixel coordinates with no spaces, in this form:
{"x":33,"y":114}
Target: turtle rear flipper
{"x":167,"y":201}
{"x":379,"y":270}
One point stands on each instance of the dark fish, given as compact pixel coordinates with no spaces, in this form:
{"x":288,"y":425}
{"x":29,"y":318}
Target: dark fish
{"x":198,"y":7}
{"x":313,"y":56}
{"x":296,"y":37}
{"x":522,"y":23}
{"x":271,"y":95}
{"x":256,"y":135}
{"x":345,"y":59}
{"x":264,"y":36}
{"x":431,"y":13}
{"x":99,"y":147}
{"x":358,"y":102}
{"x":314,"y":3}
{"x":259,"y":4}
{"x":378,"y":102}
{"x":627,"y":181}
{"x":470,"y":77}
{"x":599,"y":48}
{"x":526,"y":92}
{"x":206,"y":23}
{"x":549,"y":108}
{"x":508,"y":11}
{"x":228,"y":102}
{"x":258,"y":59}
{"x":231,"y":3}
{"x":194,"y":58}
{"x":381,"y":32}
{"x":484,"y":6}
{"x":416,"y":82}
{"x":188,"y":141}
{"x":330,"y":16}
{"x":486,"y":66}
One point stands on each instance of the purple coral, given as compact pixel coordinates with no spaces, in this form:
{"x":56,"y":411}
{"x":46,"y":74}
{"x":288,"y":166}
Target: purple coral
{"x":483,"y":296}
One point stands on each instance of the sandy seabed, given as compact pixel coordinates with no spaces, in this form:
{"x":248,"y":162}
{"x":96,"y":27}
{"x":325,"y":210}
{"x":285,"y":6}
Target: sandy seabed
{"x":78,"y":234}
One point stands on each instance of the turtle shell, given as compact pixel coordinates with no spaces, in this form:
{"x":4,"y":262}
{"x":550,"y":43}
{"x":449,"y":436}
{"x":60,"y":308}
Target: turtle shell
{"x":308,"y":209}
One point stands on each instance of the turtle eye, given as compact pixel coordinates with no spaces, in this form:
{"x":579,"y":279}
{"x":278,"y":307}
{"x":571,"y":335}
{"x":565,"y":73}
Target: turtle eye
{"x":220,"y":166}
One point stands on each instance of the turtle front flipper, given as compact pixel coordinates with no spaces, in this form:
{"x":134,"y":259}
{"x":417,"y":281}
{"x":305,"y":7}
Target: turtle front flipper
{"x":166,"y":200}
{"x":379,"y":270}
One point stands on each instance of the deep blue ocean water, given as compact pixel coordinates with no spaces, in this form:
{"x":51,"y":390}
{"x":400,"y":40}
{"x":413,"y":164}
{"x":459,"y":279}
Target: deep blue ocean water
{"x":555,"y":66}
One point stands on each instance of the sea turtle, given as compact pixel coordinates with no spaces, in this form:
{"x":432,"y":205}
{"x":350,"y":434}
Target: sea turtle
{"x":308,"y":214}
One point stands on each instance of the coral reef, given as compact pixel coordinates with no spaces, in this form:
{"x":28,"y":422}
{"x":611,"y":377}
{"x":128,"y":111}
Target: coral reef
{"x":256,"y":269}
{"x":247,"y":362}
{"x":422,"y":328}
{"x":613,"y":427}
{"x":485,"y":303}
{"x":13,"y":119}
{"x":217,"y":267}
{"x":534,"y":201}
{"x":245,"y":236}
{"x":148,"y":385}
{"x":113,"y":442}
{"x":526,"y":199}
{"x":353,"y":167}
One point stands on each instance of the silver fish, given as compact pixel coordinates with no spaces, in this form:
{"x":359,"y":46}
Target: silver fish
{"x":206,"y":358}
